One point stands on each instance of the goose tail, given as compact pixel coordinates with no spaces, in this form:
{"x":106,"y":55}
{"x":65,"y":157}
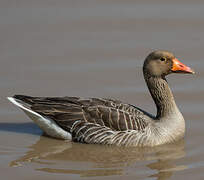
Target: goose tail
{"x":48,"y":125}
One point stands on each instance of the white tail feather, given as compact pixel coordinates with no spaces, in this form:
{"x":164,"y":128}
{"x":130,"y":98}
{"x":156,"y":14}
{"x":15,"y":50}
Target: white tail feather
{"x":46,"y":124}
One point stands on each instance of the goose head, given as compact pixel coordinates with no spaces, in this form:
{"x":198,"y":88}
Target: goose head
{"x":162,"y":63}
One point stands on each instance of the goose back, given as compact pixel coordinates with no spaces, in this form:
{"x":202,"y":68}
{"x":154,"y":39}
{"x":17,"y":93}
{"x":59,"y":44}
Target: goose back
{"x":65,"y":111}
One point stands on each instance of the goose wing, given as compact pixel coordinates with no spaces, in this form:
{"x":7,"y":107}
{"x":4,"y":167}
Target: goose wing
{"x":110,"y":113}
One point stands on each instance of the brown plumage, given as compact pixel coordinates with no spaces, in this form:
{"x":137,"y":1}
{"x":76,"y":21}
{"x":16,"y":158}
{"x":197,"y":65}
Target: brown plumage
{"x":92,"y":112}
{"x":107,"y":121}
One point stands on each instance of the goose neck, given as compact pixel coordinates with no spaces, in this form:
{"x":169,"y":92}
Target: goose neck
{"x":162,"y":96}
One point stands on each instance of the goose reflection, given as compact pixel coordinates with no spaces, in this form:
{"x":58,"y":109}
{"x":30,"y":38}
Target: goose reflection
{"x":55,"y":156}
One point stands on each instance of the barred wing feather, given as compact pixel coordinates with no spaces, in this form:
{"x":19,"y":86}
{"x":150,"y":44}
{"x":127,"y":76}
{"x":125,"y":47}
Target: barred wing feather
{"x":93,"y":120}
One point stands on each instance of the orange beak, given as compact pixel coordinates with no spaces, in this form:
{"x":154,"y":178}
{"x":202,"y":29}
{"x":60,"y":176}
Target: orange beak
{"x":179,"y":67}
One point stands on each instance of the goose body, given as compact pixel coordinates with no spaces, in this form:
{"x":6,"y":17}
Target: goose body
{"x":108,"y":121}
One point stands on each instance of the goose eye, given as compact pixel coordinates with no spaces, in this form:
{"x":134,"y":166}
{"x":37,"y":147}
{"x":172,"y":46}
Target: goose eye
{"x":163,"y":59}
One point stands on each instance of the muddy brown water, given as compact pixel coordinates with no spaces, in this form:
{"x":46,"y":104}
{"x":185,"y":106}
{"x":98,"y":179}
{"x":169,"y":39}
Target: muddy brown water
{"x":96,"y":49}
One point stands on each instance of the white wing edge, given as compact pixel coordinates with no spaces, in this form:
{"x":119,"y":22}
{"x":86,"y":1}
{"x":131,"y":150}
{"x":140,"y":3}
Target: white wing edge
{"x":46,"y":124}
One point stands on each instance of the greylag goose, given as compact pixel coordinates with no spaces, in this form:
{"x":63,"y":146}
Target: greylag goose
{"x":108,"y":121}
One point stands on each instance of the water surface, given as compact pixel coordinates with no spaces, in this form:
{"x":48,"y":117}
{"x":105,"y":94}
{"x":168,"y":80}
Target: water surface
{"x":96,"y":49}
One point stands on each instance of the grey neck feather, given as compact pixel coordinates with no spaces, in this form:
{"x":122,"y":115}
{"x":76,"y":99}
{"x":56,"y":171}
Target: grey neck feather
{"x":162,"y":96}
